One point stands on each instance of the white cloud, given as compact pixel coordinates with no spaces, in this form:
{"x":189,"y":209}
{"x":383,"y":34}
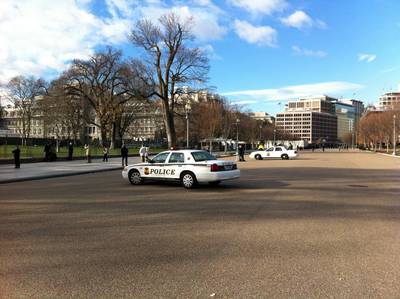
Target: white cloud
{"x":210,"y":52}
{"x":366,"y":57}
{"x":390,"y":70}
{"x":38,"y":37}
{"x":262,"y":35}
{"x":206,"y":24}
{"x":244,"y":102}
{"x":265,"y":7}
{"x":43,"y":35}
{"x":306,"y":52}
{"x":300,"y":20}
{"x":334,"y":88}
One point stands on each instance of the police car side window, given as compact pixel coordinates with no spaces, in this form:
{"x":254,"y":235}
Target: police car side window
{"x":177,"y":158}
{"x":278,"y":149}
{"x":160,"y":158}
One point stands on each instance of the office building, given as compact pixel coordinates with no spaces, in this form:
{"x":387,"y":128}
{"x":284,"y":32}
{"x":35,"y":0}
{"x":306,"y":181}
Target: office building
{"x":389,"y":101}
{"x":262,"y":116}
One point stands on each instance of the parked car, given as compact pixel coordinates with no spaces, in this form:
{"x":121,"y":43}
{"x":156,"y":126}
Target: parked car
{"x":279,"y":152}
{"x":189,"y":167}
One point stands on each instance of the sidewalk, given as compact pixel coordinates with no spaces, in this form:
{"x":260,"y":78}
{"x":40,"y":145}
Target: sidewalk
{"x":42,"y":170}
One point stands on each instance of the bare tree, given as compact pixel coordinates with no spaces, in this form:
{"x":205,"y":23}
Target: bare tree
{"x":22,"y":92}
{"x":62,"y":112}
{"x":107,"y":83}
{"x":172,"y":62}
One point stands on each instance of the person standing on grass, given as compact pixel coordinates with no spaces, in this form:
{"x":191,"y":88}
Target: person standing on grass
{"x":70,"y":150}
{"x":124,"y":155}
{"x":17,"y":153}
{"x":105,"y":153}
{"x":142,"y":153}
{"x":88,"y":153}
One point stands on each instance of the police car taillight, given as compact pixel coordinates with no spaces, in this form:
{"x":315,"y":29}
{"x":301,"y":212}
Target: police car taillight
{"x":214,"y":167}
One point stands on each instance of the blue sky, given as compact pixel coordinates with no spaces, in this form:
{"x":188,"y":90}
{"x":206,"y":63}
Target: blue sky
{"x":262,"y":52}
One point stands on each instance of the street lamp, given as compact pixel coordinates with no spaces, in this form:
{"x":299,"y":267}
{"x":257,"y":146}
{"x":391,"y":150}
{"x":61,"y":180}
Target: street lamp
{"x":187,"y":110}
{"x":394,"y":135}
{"x":237,"y":138}
{"x":274,"y":136}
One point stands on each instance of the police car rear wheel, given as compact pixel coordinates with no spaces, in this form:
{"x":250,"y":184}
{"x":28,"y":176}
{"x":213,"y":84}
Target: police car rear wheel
{"x":285,"y":157}
{"x":258,"y":157}
{"x":188,"y":180}
{"x":135,"y":178}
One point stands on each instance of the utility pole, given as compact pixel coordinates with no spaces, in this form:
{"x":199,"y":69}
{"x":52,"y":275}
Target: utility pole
{"x":394,"y":135}
{"x":187,"y":110}
{"x":237,"y":138}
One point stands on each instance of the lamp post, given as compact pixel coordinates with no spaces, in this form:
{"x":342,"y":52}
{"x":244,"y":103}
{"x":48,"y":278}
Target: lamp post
{"x":274,"y":136}
{"x":394,"y":135}
{"x":260,"y":132}
{"x":187,"y":110}
{"x":237,"y":138}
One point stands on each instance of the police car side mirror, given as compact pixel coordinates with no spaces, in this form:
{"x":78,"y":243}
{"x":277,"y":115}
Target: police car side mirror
{"x":150,"y":160}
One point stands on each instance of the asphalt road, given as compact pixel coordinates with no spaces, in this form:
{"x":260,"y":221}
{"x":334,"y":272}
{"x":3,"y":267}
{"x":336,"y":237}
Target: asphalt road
{"x":325,"y":225}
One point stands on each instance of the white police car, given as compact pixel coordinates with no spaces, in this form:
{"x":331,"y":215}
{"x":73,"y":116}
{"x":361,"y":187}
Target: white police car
{"x":186,"y":166}
{"x":274,"y":152}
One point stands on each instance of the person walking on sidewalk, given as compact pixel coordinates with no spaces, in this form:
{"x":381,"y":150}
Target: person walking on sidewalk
{"x":241,"y":152}
{"x":105,"y":153}
{"x":17,"y":153}
{"x":142,"y":153}
{"x":88,"y":153}
{"x":124,"y":155}
{"x":70,"y":151}
{"x":47,"y":150}
{"x":146,"y":154}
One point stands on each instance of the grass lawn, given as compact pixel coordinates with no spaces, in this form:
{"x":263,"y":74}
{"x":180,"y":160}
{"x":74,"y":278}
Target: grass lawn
{"x":37,"y":151}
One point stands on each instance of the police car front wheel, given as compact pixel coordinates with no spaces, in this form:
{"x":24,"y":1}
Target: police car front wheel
{"x":188,"y":180}
{"x":135,"y":178}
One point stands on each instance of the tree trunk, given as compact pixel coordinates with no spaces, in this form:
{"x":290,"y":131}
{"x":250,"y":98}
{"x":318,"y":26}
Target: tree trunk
{"x":113,"y":135}
{"x":103,"y":134}
{"x":170,"y":128}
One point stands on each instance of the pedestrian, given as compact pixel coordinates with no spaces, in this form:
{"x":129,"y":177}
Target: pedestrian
{"x":88,"y":153}
{"x":124,"y":155}
{"x":47,"y":152}
{"x":241,"y":152}
{"x":142,"y":153}
{"x":146,"y":154}
{"x":70,"y":151}
{"x":17,"y":153}
{"x":105,"y":153}
{"x":290,"y":146}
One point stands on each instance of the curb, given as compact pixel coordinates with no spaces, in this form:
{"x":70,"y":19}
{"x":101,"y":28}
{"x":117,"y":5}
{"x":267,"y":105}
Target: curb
{"x":57,"y":175}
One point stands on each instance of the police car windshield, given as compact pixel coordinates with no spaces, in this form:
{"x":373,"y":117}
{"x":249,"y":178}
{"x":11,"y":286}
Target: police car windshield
{"x":202,"y":156}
